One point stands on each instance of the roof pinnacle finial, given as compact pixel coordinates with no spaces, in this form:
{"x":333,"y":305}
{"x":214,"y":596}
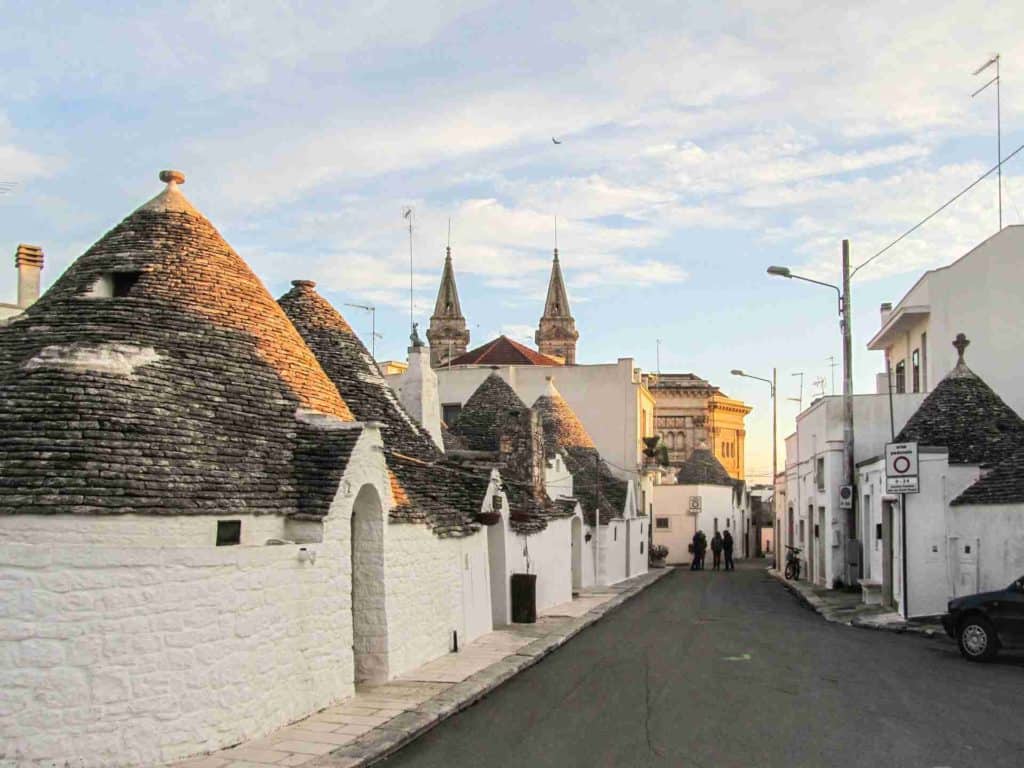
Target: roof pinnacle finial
{"x":961,"y":343}
{"x":556,"y":238}
{"x":172,"y":178}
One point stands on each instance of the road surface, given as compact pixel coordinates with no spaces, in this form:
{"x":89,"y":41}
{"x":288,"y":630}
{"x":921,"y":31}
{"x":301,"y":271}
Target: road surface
{"x":715,"y":669}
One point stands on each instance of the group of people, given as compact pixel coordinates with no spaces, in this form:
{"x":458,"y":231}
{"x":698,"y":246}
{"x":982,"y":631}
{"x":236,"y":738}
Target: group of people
{"x":720,"y":544}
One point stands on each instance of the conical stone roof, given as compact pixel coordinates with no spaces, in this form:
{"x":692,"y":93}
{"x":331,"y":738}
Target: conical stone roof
{"x":965,"y":416}
{"x":158,"y":375}
{"x":703,"y":468}
{"x":478,"y":421}
{"x":565,"y":433}
{"x":445,"y":500}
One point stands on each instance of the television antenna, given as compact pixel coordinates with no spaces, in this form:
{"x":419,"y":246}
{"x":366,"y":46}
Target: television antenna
{"x":999,"y":126}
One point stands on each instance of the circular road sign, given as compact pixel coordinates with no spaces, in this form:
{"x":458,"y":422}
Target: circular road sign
{"x":901,"y":465}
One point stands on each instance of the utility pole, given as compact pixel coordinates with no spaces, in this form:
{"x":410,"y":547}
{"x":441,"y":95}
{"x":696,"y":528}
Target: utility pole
{"x":848,"y":457}
{"x":597,"y":515}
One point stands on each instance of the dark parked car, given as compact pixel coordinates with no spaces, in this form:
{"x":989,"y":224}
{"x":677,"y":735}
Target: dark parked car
{"x":983,"y":623}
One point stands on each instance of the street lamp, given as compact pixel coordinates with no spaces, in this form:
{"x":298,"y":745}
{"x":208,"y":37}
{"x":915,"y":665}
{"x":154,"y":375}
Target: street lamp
{"x":775,"y":432}
{"x":843,"y":295}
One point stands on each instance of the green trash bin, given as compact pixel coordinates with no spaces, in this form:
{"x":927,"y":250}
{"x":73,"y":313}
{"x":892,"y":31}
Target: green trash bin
{"x":524,"y":598}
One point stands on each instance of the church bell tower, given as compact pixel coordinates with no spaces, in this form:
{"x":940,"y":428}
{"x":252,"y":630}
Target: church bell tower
{"x":447,"y":334}
{"x":557,"y":334}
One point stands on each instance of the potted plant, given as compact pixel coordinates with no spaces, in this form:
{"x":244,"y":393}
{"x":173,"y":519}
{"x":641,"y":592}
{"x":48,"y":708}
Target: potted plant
{"x":658,"y":553}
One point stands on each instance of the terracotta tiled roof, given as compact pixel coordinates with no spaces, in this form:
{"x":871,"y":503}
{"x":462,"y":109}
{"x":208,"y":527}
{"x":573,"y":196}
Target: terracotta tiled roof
{"x":444,"y":500}
{"x":504,"y":351}
{"x":703,"y":468}
{"x":191,"y":393}
{"x":564,"y":432}
{"x":965,"y":416}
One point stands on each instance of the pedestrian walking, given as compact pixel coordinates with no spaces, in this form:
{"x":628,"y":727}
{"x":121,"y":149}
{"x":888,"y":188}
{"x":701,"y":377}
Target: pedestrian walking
{"x":716,"y":550}
{"x":702,"y":548}
{"x":695,"y":552}
{"x":727,"y":545}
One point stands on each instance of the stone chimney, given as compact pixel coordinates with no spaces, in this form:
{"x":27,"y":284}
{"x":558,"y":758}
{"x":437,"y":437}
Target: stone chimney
{"x":521,"y":448}
{"x":884,"y":311}
{"x":29,"y":261}
{"x":418,"y":392}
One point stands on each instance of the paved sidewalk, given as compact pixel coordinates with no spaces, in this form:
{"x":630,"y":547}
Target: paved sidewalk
{"x":380,"y":719}
{"x":847,"y":608}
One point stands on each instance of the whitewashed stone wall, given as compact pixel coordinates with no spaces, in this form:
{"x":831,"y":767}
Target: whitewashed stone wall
{"x":120,"y":648}
{"x":115,"y":656}
{"x":424,"y":595}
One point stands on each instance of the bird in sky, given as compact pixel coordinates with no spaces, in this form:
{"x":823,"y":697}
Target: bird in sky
{"x":555,"y":141}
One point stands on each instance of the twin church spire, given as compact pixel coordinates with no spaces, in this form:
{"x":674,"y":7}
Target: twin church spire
{"x":449,"y":336}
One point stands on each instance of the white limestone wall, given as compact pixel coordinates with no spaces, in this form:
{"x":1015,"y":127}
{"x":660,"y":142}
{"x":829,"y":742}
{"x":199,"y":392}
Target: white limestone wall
{"x":427,"y":580}
{"x":978,"y":295}
{"x":547,"y":554}
{"x":134,"y":640}
{"x":115,"y":655}
{"x":612,"y":552}
{"x":929,"y":527}
{"x":416,"y":389}
{"x":995,"y":533}
{"x":670,"y":504}
{"x":819,"y":435}
{"x":637,"y":556}
{"x":589,"y":577}
{"x":558,"y":481}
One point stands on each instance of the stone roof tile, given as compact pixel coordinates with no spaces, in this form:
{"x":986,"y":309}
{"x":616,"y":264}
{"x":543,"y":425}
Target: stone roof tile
{"x":422,"y":491}
{"x":965,"y":416}
{"x":703,"y":468}
{"x":158,"y":376}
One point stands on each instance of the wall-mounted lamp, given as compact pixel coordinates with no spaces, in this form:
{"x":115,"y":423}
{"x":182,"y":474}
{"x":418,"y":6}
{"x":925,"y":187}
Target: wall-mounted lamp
{"x":307,"y":555}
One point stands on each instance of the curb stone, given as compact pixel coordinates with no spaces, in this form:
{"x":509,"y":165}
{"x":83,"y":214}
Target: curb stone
{"x":819,"y":606}
{"x":385,"y":740}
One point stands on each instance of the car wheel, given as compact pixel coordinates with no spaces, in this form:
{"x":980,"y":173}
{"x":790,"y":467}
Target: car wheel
{"x":977,"y":639}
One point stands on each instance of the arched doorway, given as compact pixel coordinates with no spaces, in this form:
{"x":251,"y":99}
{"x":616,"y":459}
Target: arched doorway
{"x":577,"y":553}
{"x":369,"y":617}
{"x":499,"y":575}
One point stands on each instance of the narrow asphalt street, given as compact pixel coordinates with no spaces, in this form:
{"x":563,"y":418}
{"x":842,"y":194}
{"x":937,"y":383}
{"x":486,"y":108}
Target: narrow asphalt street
{"x":728,"y":669}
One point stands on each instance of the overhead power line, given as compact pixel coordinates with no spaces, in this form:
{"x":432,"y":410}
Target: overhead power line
{"x":940,"y":209}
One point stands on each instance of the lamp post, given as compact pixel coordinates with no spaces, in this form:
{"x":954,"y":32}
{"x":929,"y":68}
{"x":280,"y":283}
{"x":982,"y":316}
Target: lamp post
{"x":843,"y":295}
{"x":775,"y":437}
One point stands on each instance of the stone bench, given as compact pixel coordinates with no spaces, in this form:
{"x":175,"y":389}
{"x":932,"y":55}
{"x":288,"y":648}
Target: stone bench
{"x":871,"y":591}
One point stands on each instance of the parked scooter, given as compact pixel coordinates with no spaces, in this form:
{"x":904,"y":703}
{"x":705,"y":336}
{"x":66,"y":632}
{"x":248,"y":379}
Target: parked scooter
{"x":793,"y":562}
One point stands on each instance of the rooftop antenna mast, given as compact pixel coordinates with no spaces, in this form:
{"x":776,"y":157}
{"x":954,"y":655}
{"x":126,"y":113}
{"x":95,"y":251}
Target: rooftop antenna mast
{"x":999,"y":126}
{"x":407,"y":215}
{"x":373,"y":326}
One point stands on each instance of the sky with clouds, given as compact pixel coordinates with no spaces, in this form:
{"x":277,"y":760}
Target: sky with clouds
{"x":700,"y":143}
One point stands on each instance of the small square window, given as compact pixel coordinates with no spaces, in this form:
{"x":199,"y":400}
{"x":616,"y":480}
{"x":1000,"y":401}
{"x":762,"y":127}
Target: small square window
{"x":123,"y":282}
{"x":662,"y":523}
{"x":229,"y":532}
{"x":878,"y":531}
